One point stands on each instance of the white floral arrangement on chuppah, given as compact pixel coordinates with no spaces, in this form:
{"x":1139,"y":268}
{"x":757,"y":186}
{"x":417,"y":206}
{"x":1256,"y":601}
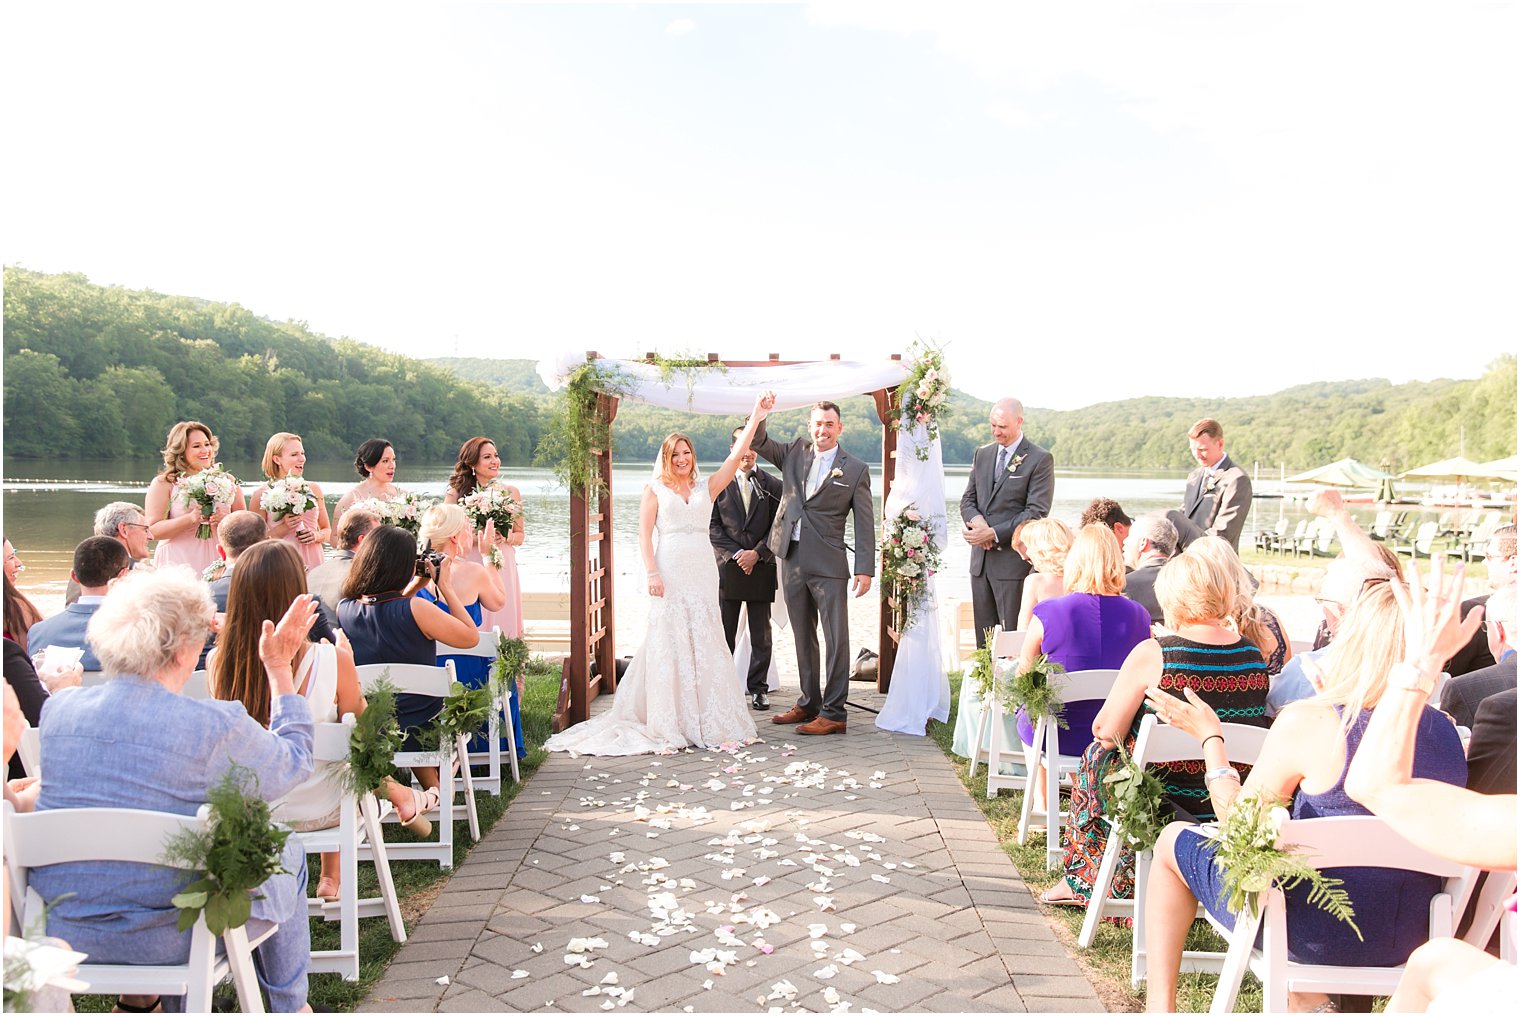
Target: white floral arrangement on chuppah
{"x":496,"y":505}
{"x":208,"y":490}
{"x":910,"y":556}
{"x":923,"y":393}
{"x":289,"y":495}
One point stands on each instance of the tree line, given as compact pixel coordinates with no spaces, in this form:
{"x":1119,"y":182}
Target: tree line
{"x":103,"y":372}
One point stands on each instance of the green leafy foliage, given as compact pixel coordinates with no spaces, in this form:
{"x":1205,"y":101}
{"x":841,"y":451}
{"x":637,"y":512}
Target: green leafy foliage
{"x":235,"y":854}
{"x":578,"y":430}
{"x":1248,"y":855}
{"x":1134,"y":800}
{"x":375,"y":739}
{"x":1037,"y":689}
{"x":982,"y":666}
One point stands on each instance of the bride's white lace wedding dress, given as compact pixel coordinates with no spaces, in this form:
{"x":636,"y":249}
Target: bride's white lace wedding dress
{"x":680,"y":689}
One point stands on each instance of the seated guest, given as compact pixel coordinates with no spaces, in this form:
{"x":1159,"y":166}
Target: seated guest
{"x":325,"y":581}
{"x":97,"y":562}
{"x":1198,"y":597}
{"x":120,"y":520}
{"x":1346,"y":580}
{"x":1491,"y":750}
{"x":1106,"y":512}
{"x":387,"y":623}
{"x":20,"y":612}
{"x":22,"y":685}
{"x":1044,"y":543}
{"x":1255,"y":622}
{"x":1305,"y":759}
{"x":136,"y":742}
{"x":1463,"y":694}
{"x":1151,"y":543}
{"x":270,"y":576}
{"x":1500,"y":562}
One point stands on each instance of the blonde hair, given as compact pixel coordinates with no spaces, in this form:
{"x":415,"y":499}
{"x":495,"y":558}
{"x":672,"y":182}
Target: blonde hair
{"x":1250,"y":619}
{"x":273,"y":447}
{"x":1095,"y":563}
{"x":1046,"y":542}
{"x":178,"y":443}
{"x":1368,"y":643}
{"x":441,"y":522}
{"x":148,"y":619}
{"x":1193,"y":588}
{"x":667,"y":453}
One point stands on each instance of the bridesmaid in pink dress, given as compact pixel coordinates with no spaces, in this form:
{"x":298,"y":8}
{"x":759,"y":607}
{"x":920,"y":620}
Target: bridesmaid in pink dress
{"x":478,"y":466}
{"x":284,"y":456}
{"x":190,"y":448}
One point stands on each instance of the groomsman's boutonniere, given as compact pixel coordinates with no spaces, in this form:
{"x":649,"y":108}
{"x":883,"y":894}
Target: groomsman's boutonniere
{"x":1013,"y":466}
{"x":835,"y":474}
{"x":1210,"y":483}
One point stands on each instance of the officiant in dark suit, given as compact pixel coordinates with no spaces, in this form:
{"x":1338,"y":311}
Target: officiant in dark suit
{"x":1012,"y":481}
{"x":742,"y":517}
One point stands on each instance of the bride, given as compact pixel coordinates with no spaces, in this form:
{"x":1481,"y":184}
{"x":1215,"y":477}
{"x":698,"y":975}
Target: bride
{"x":680,"y":689}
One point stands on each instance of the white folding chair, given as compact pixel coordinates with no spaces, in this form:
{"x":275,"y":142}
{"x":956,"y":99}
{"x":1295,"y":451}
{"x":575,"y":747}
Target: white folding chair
{"x":1076,"y":686}
{"x":1353,"y":841}
{"x":358,"y":823}
{"x":69,"y":835}
{"x":30,"y":751}
{"x":988,"y":744}
{"x":198,"y":687}
{"x":1155,"y":743}
{"x":501,"y":712}
{"x":420,"y":679}
{"x":1488,"y":909}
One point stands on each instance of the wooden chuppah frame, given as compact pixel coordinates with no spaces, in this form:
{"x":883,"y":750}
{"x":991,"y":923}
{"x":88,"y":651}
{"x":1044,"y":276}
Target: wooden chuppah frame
{"x":591,"y":667}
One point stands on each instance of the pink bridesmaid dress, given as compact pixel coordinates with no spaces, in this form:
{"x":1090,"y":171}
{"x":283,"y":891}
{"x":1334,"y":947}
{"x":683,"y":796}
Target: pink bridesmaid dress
{"x":186,"y":548}
{"x":311,"y":553}
{"x":510,"y":617}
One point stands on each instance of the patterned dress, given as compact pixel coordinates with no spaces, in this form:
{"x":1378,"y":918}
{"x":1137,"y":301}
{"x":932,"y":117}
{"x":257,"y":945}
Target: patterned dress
{"x":1233,"y":680}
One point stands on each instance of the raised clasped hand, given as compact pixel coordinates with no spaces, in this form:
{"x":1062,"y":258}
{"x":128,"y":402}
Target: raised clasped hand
{"x":764,"y":403}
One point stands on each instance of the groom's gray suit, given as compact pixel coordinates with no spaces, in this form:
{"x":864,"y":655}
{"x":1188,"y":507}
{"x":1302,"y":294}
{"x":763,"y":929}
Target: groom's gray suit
{"x":815,"y":568}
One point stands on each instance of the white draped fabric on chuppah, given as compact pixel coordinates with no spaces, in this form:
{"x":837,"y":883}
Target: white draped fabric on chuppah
{"x":920,"y":689}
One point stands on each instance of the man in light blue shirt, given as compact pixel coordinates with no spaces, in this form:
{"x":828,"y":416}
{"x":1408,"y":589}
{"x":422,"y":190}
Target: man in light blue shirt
{"x":97,"y":561}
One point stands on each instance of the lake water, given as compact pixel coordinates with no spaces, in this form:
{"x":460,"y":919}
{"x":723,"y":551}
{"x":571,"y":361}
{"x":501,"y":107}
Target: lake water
{"x":49,"y":507}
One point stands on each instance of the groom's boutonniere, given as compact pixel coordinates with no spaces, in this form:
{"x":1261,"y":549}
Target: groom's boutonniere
{"x":1013,"y":465}
{"x":834,"y":474}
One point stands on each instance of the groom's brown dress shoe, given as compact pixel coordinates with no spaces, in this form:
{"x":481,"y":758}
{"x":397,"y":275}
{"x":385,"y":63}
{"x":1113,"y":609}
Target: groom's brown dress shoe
{"x":822,"y":725}
{"x":796,"y":714}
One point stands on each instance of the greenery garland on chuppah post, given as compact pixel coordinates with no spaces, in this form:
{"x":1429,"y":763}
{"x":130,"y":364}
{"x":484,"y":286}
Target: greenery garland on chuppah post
{"x":237,"y":851}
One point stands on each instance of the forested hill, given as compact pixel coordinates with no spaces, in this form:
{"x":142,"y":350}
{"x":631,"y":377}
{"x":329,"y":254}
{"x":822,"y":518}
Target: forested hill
{"x":95,"y":371}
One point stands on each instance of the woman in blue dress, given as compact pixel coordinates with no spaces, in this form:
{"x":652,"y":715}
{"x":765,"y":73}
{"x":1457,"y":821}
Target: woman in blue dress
{"x":447,"y":530}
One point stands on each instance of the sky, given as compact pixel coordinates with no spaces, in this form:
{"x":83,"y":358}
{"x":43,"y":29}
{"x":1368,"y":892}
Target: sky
{"x":1078,"y":202}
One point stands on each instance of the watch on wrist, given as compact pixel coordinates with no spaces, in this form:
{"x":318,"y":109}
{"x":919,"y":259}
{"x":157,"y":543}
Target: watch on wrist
{"x":1408,"y":677}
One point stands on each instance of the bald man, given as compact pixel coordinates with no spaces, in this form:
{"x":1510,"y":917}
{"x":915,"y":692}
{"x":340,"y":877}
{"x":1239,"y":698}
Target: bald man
{"x":1012,"y":481}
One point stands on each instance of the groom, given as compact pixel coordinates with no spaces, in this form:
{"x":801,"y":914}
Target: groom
{"x":821,"y":484}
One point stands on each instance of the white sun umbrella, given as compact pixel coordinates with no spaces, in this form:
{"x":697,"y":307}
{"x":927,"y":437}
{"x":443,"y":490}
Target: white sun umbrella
{"x":1503,"y":469}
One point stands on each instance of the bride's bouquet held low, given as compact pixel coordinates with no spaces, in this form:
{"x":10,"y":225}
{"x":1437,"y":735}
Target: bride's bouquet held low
{"x":494,"y":506}
{"x":289,"y":495}
{"x":910,"y":557}
{"x":208,"y":490}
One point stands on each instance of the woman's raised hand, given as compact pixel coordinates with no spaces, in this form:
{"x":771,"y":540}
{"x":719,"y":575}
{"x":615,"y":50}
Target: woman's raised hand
{"x":764,"y":403}
{"x":278,"y":643}
{"x":1433,"y":627}
{"x":1193,"y":716}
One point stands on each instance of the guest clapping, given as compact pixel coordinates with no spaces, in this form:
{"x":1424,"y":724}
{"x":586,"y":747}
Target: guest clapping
{"x":182,"y":519}
{"x":1305,"y":759}
{"x":285,"y":464}
{"x":376,"y":466}
{"x":136,"y":742}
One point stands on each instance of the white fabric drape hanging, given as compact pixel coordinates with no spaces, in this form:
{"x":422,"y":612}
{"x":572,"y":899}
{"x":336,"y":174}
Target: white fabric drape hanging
{"x":733,"y":391}
{"x":920,"y":689}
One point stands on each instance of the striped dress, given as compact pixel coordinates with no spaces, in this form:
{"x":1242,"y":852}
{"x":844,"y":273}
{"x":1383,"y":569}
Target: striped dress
{"x":1233,"y":680}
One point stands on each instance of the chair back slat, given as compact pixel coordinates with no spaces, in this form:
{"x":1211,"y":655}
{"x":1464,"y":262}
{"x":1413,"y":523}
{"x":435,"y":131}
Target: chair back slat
{"x":485,"y":646}
{"x":91,"y":834}
{"x":1086,"y":685}
{"x":1159,"y":742}
{"x":1007,"y":644}
{"x":1362,"y":841}
{"x":409,"y":678}
{"x":198,"y":687}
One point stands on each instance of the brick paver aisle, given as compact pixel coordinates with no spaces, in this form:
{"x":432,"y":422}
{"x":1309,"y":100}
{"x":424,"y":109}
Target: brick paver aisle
{"x":844,"y":873}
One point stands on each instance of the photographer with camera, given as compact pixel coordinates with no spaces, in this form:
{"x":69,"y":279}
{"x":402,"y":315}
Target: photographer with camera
{"x":387,"y":622}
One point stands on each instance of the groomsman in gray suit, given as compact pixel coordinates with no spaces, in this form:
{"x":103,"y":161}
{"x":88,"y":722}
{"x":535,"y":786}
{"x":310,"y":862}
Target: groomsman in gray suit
{"x":1218,"y":494}
{"x":821,"y":485}
{"x":1012,"y":482}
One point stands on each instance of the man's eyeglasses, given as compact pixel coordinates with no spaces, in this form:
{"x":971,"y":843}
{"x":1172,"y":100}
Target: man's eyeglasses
{"x":138,"y":525}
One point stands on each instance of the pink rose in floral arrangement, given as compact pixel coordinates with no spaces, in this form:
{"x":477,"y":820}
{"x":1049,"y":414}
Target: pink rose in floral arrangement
{"x":913,"y":515}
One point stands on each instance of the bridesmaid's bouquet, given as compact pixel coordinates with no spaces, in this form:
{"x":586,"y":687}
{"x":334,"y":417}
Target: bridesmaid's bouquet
{"x":492,"y":505}
{"x":290,"y":495}
{"x":909,"y":558}
{"x":209,"y":490}
{"x":405,"y":511}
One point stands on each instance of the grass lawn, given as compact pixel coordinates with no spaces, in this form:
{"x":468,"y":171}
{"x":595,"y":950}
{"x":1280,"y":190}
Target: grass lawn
{"x":1107,"y":962}
{"x":417,"y":882}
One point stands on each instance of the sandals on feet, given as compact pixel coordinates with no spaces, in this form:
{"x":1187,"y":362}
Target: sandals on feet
{"x":1060,"y":894}
{"x":327,"y":889}
{"x":422,"y":803}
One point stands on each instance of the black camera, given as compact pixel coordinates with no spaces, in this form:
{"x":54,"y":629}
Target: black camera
{"x":429,"y":561}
